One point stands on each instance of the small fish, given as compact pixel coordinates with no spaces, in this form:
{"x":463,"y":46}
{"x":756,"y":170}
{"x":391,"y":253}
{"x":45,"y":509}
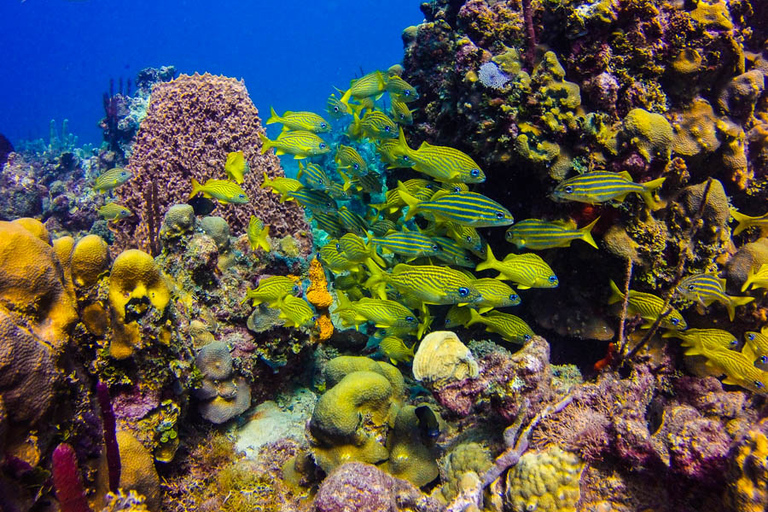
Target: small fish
{"x":356,"y":249}
{"x":300,"y":144}
{"x":756,"y":346}
{"x":400,"y":89}
{"x":526,"y":270}
{"x":495,"y":294}
{"x":466,"y":208}
{"x":335,"y":108}
{"x":648,"y":307}
{"x":347,"y":157}
{"x":375,"y":124}
{"x":411,"y":245}
{"x":443,"y":163}
{"x":705,"y":289}
{"x":382,"y":227}
{"x":745,"y":222}
{"x":372,"y":84}
{"x":601,"y":186}
{"x":369,"y":183}
{"x":429,"y":424}
{"x":281,"y":185}
{"x":467,"y":237}
{"x":257,"y":234}
{"x":400,"y":112}
{"x":422,"y":190}
{"x":537,"y":235}
{"x":457,"y":316}
{"x":315,"y":200}
{"x":394,"y":348}
{"x":270,"y":290}
{"x":334,"y":260}
{"x":295,"y":311}
{"x":114,"y":212}
{"x":352,"y":221}
{"x":112,"y":178}
{"x":429,"y":284}
{"x":394,"y":152}
{"x":452,"y":253}
{"x":509,"y":327}
{"x":329,"y":223}
{"x":699,"y":342}
{"x":236,"y":167}
{"x":757,"y":279}
{"x":224,"y":191}
{"x":307,"y":121}
{"x":314,"y":176}
{"x":739,"y":370}
{"x":383,"y":313}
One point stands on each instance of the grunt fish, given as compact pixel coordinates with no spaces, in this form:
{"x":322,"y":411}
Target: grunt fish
{"x":236,"y":167}
{"x":466,"y":208}
{"x":601,"y":186}
{"x":114,"y":212}
{"x":111,"y":179}
{"x":300,"y":144}
{"x":705,"y":289}
{"x":648,"y":307}
{"x":224,"y":191}
{"x":536,"y":234}
{"x":257,"y":234}
{"x":509,"y":327}
{"x":526,"y":270}
{"x":307,"y":121}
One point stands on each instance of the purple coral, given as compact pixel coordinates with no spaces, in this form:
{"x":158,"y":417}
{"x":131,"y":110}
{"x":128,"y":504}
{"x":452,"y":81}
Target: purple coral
{"x":66,"y":480}
{"x":492,"y":76}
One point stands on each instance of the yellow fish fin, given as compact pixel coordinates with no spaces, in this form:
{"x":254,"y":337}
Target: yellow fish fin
{"x":490,"y":261}
{"x":586,"y":233}
{"x":744,"y":221}
{"x":266,"y":144}
{"x":648,"y":190}
{"x":616,"y":294}
{"x":274,"y":118}
{"x":196,"y":186}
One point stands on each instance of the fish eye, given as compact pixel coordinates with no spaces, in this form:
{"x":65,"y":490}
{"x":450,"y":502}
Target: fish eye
{"x":409,"y":318}
{"x":751,"y":337}
{"x":734,"y":342}
{"x":338,"y":247}
{"x":323,"y":125}
{"x":552,"y":279}
{"x":468,"y":238}
{"x":356,"y":166}
{"x":386,"y":128}
{"x":758,"y":384}
{"x":322,"y":145}
{"x":763,"y":359}
{"x":568,"y":189}
{"x":406,"y":93}
{"x":335,"y":109}
{"x":499,"y":215}
{"x":674,"y":321}
{"x":405,"y":157}
{"x":691,"y":287}
{"x":527,"y":337}
{"x":514,"y":297}
{"x":435,"y":247}
{"x":474,"y":173}
{"x":463,"y":291}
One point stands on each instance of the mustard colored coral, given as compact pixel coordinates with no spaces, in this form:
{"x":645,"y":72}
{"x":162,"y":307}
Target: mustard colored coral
{"x":410,"y":458}
{"x":546,"y":481}
{"x":748,"y":489}
{"x":649,"y":133}
{"x":90,"y":257}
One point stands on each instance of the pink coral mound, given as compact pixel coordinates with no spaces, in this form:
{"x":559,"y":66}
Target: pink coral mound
{"x":192,"y":123}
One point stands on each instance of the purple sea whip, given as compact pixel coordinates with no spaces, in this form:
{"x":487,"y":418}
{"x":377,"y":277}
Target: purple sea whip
{"x":110,"y":435}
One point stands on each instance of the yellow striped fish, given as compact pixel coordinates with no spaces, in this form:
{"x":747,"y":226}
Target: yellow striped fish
{"x":745,"y":222}
{"x":224,"y":191}
{"x":369,"y":183}
{"x":356,"y":249}
{"x":394,"y":348}
{"x":495,"y":294}
{"x":329,"y":223}
{"x":236,"y":167}
{"x":421,"y":190}
{"x":739,"y":370}
{"x":400,"y":112}
{"x":395,"y":152}
{"x":443,"y":163}
{"x":372,"y":84}
{"x":270,"y":290}
{"x":701,"y":341}
{"x":335,"y":108}
{"x":295,"y":311}
{"x":382,"y":227}
{"x":457,"y":316}
{"x":314,"y":176}
{"x":352,"y":221}
{"x":300,"y":144}
{"x":537,"y":235}
{"x":756,"y":346}
{"x":400,"y":89}
{"x":467,"y":237}
{"x":257,"y":234}
{"x":281,"y":185}
{"x":757,"y":279}
{"x":112,"y":178}
{"x":383,"y":313}
{"x":308,"y":121}
{"x":648,"y":307}
{"x":315,"y":200}
{"x":510,"y":327}
{"x":375,"y":124}
{"x":452,"y":253}
{"x":347,"y":157}
{"x":705,"y":289}
{"x":334,"y":260}
{"x":411,"y":245}
{"x":428,"y":284}
{"x":600,"y":186}
{"x":525,"y":270}
{"x":114,"y":212}
{"x":466,"y":208}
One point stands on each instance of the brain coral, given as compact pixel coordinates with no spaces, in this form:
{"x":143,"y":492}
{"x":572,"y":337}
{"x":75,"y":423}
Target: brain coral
{"x":192,"y":123}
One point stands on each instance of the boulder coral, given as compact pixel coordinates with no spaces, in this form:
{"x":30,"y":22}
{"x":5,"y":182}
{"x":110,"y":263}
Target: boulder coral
{"x":547,"y":481}
{"x":649,"y":133}
{"x":89,"y":259}
{"x":224,"y":395}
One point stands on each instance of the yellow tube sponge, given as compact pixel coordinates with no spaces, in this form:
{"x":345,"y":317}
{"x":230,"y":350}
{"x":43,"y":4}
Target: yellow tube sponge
{"x":135,"y":276}
{"x":651,"y":134}
{"x":33,"y":284}
{"x":90,"y":258}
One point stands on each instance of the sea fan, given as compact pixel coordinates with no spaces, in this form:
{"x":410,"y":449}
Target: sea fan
{"x":491,"y":76}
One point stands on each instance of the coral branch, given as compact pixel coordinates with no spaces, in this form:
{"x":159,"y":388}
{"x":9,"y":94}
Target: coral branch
{"x":110,"y":435}
{"x":530,"y":52}
{"x":66,"y":480}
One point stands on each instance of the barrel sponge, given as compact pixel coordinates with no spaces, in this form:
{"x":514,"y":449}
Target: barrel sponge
{"x":409,"y":458}
{"x":137,"y":470}
{"x":339,"y":367}
{"x":33,"y":284}
{"x":214,"y":361}
{"x":136,"y":276}
{"x":545,"y":481}
{"x":90,"y":258}
{"x":27,"y":373}
{"x":651,"y":134}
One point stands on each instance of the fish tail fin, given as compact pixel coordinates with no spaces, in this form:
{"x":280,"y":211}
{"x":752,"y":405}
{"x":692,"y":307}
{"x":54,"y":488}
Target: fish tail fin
{"x":196,"y":188}
{"x":342,"y":300}
{"x":734,"y":302}
{"x":266,"y":144}
{"x":586,"y":233}
{"x":616,"y":294}
{"x":749,"y":280}
{"x":273,"y":118}
{"x":490,"y":260}
{"x":744,"y":221}
{"x":354,"y":131}
{"x":261,"y":239}
{"x":345,"y":96}
{"x":424,"y":325}
{"x":648,"y":193}
{"x":266,"y":182}
{"x":474,"y":317}
{"x":412,"y":202}
{"x":376,"y":283}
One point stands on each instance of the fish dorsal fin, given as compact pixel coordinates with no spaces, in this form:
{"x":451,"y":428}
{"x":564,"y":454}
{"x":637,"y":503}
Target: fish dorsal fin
{"x":425,"y":145}
{"x":440,"y":193}
{"x":625,"y":175}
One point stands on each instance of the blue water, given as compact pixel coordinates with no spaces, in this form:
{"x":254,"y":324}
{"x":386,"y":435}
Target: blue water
{"x":58,"y":55}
